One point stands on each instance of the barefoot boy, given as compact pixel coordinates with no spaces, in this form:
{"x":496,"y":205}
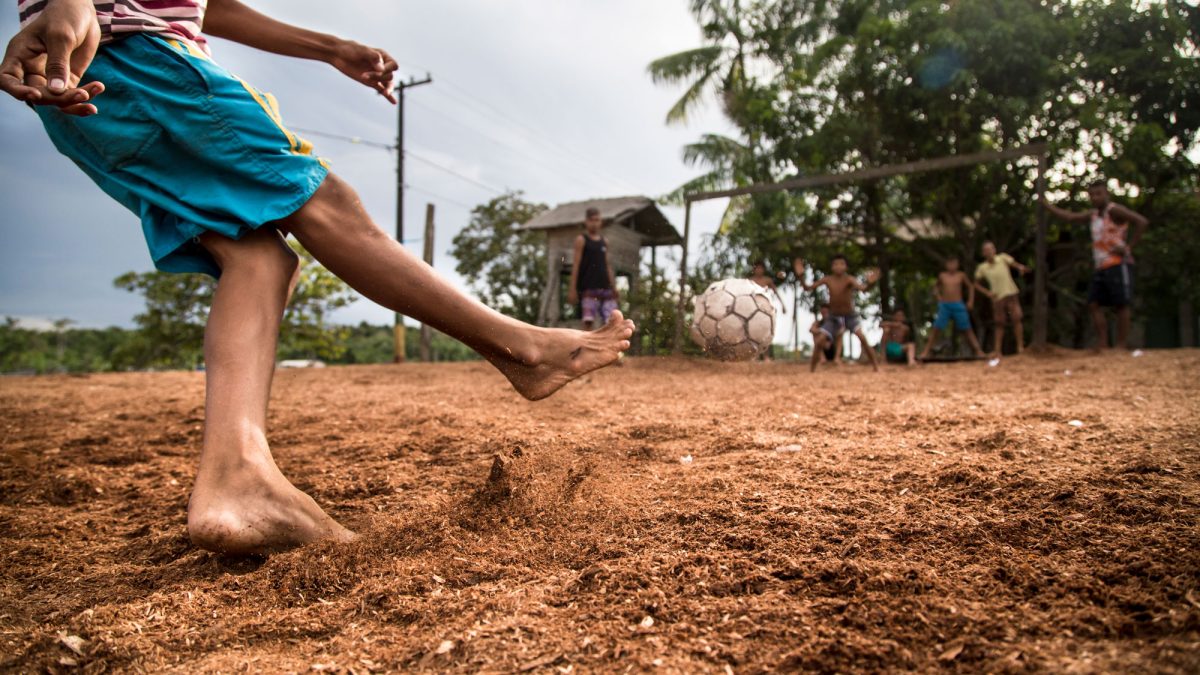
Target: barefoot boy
{"x":1112,"y":254}
{"x":593,"y":284}
{"x":949,"y":292}
{"x":996,"y":270}
{"x":758,"y":274}
{"x":842,"y":316}
{"x":217,"y":180}
{"x":898,"y":345}
{"x":831,"y":352}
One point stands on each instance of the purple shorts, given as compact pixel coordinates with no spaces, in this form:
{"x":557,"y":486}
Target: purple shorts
{"x":598,"y":304}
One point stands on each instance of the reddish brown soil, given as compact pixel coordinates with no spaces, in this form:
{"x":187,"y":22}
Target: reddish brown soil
{"x":945,"y":518}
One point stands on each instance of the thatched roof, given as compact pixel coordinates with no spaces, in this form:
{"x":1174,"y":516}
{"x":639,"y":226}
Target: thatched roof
{"x":639,"y":214}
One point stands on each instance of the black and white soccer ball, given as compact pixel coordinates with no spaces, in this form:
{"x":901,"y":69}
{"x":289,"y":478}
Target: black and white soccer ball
{"x":733,"y":320}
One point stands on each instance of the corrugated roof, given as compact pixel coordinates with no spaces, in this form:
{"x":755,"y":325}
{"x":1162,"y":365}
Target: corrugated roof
{"x":639,"y":214}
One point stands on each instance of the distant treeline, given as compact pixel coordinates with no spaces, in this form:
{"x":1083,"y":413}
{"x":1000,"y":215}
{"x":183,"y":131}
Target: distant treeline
{"x":85,"y":350}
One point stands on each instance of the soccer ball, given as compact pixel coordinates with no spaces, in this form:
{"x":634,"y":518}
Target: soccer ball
{"x":733,"y":320}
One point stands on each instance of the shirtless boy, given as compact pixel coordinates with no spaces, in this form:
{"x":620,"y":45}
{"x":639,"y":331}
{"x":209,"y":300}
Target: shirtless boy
{"x":898,"y":345}
{"x":949,"y":291}
{"x":759,"y":276}
{"x":841,"y":287}
{"x":217,"y":180}
{"x":831,"y":352}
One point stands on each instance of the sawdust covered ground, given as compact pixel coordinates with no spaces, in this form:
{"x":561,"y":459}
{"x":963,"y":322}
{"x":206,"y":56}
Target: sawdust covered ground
{"x":952,"y":517}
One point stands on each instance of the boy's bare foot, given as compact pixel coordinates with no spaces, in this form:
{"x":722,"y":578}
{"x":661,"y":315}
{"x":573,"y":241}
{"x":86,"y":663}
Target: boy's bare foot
{"x":553,"y":357}
{"x":251,"y":509}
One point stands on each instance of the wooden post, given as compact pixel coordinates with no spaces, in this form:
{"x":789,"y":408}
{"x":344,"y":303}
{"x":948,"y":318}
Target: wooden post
{"x":654,"y":293}
{"x":426,"y":331}
{"x":677,"y":343}
{"x":1040,"y":273}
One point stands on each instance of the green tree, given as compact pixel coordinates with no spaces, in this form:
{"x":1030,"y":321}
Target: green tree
{"x":170,"y":332}
{"x":831,"y":87}
{"x":504,"y":265}
{"x":306,"y":331}
{"x":718,"y":66}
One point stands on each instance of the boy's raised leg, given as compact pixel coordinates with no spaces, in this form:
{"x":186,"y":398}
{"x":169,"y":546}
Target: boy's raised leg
{"x":335,"y":228}
{"x":241,"y":503}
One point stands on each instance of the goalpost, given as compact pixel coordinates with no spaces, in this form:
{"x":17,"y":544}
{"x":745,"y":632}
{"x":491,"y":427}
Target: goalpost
{"x":938,"y":164}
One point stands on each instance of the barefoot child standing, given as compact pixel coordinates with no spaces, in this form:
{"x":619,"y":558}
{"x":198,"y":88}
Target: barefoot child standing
{"x":204,"y":159}
{"x":842,"y":316}
{"x":949,"y":292}
{"x":996,"y":270}
{"x":593,"y":285}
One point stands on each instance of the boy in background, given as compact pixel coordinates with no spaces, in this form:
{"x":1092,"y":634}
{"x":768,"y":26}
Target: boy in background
{"x":898,"y":345}
{"x":842,"y":317}
{"x":949,"y":292}
{"x":831,"y":352}
{"x":1112,"y":256}
{"x":758,"y":274}
{"x":996,"y":270}
{"x":593,"y":285}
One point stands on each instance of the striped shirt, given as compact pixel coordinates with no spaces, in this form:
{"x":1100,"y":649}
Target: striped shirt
{"x":180,"y":19}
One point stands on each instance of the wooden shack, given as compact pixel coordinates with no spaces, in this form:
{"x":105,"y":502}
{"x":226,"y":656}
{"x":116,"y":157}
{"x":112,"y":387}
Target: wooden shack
{"x":630,"y":224}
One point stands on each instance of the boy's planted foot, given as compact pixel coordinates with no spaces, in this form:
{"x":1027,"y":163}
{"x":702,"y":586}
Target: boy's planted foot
{"x":251,"y":509}
{"x":552,"y":357}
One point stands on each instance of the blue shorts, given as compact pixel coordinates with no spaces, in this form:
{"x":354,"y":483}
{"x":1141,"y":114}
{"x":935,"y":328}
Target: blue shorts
{"x":952,"y":311}
{"x":187,"y":146}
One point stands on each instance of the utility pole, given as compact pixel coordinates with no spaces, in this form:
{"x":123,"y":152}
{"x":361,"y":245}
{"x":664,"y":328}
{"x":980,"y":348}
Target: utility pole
{"x":412,"y":82}
{"x":426,"y":331}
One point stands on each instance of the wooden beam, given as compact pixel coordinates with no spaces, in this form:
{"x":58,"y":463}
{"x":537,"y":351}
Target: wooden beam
{"x":426,"y":346}
{"x":1040,"y":301}
{"x":937,"y":164}
{"x":677,"y":342}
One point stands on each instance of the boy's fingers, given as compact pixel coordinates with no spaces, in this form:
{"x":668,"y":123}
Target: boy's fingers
{"x":80,"y":109}
{"x":59,"y":45}
{"x":389,"y":64}
{"x":12,"y":80}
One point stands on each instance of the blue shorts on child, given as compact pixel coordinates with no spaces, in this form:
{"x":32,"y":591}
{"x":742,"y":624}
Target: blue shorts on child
{"x":187,"y":146}
{"x":956,"y":311}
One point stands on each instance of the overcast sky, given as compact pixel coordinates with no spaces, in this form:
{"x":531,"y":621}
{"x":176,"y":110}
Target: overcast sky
{"x":551,"y":98}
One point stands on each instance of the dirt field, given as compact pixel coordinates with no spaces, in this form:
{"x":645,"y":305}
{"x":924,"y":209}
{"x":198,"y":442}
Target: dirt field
{"x":1040,"y":516}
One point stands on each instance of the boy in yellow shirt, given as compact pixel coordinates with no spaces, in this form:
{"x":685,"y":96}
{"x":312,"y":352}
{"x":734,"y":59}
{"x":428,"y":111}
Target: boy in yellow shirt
{"x":1003,"y":292}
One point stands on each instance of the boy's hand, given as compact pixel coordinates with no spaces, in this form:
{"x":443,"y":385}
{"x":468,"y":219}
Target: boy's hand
{"x":872,"y":275}
{"x":572,"y":297}
{"x":45,"y":60}
{"x":366,"y":65}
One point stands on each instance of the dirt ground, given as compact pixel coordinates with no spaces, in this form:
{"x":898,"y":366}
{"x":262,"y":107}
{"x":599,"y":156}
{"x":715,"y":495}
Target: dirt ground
{"x":1040,"y":516}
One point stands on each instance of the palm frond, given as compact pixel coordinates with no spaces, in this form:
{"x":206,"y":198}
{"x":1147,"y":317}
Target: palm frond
{"x":690,"y":99}
{"x":715,"y":150}
{"x":683,"y":65}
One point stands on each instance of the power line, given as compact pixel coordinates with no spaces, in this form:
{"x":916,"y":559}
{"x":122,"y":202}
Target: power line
{"x":444,"y":198}
{"x":537,"y":161}
{"x":348,"y":139}
{"x":471,"y":100}
{"x":408,"y":153}
{"x":452,"y":172}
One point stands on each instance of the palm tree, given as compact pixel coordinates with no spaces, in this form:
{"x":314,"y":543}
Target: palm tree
{"x":719,"y":65}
